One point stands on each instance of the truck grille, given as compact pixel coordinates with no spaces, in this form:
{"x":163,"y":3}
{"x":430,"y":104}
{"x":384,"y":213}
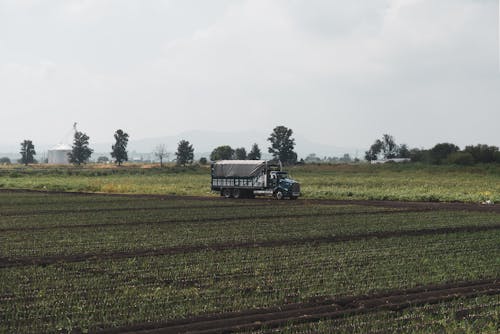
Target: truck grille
{"x":296,"y":188}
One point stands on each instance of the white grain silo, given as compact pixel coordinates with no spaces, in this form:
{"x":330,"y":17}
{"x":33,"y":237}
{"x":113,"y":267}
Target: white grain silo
{"x":58,"y":155}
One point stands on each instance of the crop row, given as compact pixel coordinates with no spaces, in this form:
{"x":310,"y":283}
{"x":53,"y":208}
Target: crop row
{"x":474,"y":315}
{"x":144,"y":233}
{"x":19,"y":205}
{"x":164,"y":213}
{"x":120,"y":292}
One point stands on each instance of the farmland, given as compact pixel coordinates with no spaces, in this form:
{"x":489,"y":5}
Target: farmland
{"x":113,"y":263}
{"x":402,"y":182}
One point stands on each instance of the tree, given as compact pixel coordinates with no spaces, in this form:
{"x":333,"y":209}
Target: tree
{"x":203,"y":161}
{"x":440,"y":152}
{"x":185,"y":153}
{"x":404,"y":151}
{"x":224,"y":152}
{"x":374,"y":151}
{"x":483,"y":153}
{"x":419,"y":155}
{"x":102,"y":159}
{"x":282,"y":145}
{"x":27,"y":152}
{"x":240,"y":153}
{"x":389,"y":147}
{"x":346,"y":158}
{"x":254,"y":153}
{"x":80,"y":151}
{"x":119,"y":149}
{"x":161,"y":153}
{"x":312,"y":158}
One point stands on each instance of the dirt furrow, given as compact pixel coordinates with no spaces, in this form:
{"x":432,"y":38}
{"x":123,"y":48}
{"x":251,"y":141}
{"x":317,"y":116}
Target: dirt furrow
{"x":46,"y":260}
{"x":317,"y":309}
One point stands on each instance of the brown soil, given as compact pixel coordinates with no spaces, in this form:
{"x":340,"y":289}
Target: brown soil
{"x":317,"y":309}
{"x":47,"y":260}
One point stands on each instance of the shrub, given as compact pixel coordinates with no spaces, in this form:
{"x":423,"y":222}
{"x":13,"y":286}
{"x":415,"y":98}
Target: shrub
{"x":461,"y":158}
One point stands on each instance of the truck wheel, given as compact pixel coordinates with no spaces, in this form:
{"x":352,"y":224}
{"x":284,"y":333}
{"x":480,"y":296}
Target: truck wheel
{"x":226,"y":193}
{"x":279,"y":195}
{"x":237,"y":193}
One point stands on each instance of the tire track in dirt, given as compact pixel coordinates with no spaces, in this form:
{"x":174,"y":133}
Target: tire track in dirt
{"x":47,"y":260}
{"x":316,"y":309}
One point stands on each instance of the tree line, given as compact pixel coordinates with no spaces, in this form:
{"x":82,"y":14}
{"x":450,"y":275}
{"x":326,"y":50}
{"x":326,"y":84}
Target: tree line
{"x":442,"y":153}
{"x":281,"y":147}
{"x":80,"y":151}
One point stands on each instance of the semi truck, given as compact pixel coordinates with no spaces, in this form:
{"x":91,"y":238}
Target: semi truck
{"x":248,"y":178}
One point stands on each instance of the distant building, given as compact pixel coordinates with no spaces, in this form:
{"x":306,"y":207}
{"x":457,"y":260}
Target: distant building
{"x":58,"y":155}
{"x":397,"y":160}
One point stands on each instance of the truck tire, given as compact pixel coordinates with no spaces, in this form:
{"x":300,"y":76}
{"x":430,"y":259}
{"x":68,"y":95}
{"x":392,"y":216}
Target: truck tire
{"x":279,"y":195}
{"x":226,"y":193}
{"x":237,"y":193}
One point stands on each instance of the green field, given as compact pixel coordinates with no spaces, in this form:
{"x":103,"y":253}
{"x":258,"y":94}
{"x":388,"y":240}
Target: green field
{"x":405,"y":182}
{"x":88,"y":263}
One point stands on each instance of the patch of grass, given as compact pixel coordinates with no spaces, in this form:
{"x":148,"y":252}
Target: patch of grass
{"x":404,"y":182}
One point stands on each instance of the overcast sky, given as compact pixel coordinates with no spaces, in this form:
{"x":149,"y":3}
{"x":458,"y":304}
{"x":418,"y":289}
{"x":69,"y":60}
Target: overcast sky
{"x":337,"y":72}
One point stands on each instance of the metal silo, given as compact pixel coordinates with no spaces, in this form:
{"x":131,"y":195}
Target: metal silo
{"x":58,"y":155}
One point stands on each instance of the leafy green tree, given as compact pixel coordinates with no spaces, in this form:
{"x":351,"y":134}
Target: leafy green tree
{"x":482,"y":153}
{"x":102,"y":159}
{"x":440,"y":152}
{"x":254,"y":153}
{"x":27,"y":152}
{"x":419,"y":155}
{"x":80,"y":151}
{"x":374,"y":151}
{"x":404,"y":151}
{"x":282,"y":145}
{"x":203,"y":161}
{"x":224,"y":152}
{"x":389,"y":147}
{"x":240,"y":153}
{"x":119,"y":149}
{"x":185,"y":153}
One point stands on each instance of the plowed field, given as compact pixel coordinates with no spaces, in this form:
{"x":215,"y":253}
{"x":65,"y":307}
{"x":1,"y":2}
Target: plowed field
{"x":155,"y":264}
